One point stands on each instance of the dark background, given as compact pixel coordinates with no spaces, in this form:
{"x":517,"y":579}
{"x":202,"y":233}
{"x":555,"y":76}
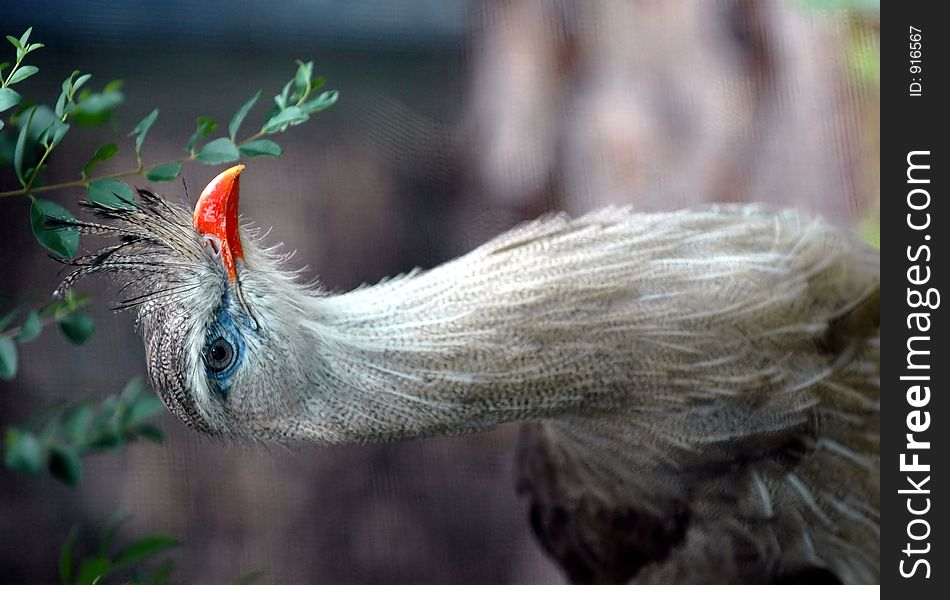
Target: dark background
{"x":456,"y":120}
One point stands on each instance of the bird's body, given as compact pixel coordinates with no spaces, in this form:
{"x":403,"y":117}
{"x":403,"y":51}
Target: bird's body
{"x":702,"y":386}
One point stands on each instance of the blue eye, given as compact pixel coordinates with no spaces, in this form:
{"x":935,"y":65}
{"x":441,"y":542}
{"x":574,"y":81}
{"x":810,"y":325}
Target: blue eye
{"x":224,"y":349}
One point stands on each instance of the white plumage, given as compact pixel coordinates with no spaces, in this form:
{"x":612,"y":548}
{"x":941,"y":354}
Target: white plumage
{"x":702,"y":385}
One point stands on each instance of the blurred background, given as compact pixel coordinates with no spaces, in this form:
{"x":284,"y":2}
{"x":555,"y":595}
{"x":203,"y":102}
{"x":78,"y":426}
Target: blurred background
{"x":457,"y":119}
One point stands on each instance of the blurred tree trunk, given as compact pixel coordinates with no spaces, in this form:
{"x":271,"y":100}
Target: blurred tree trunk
{"x":666,"y":104}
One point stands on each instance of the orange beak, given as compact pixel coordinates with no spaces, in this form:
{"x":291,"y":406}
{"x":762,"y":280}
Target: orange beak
{"x":216,"y":217}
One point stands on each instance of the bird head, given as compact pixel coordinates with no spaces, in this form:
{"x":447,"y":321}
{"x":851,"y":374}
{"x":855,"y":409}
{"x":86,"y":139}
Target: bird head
{"x":218,"y":315}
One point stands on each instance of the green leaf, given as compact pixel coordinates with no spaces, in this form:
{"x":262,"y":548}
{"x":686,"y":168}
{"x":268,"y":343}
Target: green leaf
{"x":283,"y":97}
{"x":143,"y":548}
{"x":164,"y":172}
{"x":95,"y":109}
{"x":162,"y":573}
{"x":238,"y":117}
{"x":261,"y":148}
{"x":150,"y":433}
{"x":43,"y":139}
{"x":65,"y":465}
{"x":218,"y":151}
{"x":111,"y":193}
{"x":21,"y":147}
{"x":142,"y":410}
{"x":30,"y":329}
{"x":205,"y":125}
{"x":24,"y":453}
{"x":77,"y":327}
{"x":8,"y":98}
{"x":134,"y":388}
{"x":22,"y":73}
{"x":58,"y":132}
{"x":8,"y":358}
{"x":92,"y":570}
{"x":80,"y":81}
{"x":71,"y":301}
{"x":42,"y":122}
{"x":25,"y":37}
{"x":60,"y":108}
{"x":63,"y":241}
{"x":103,"y":153}
{"x":74,"y":422}
{"x":106,"y":439}
{"x":284,"y":119}
{"x":67,"y":554}
{"x":302,"y":78}
{"x":108,"y":532}
{"x":321,"y":102}
{"x":142,"y":130}
{"x":15,"y":41}
{"x":104,"y":422}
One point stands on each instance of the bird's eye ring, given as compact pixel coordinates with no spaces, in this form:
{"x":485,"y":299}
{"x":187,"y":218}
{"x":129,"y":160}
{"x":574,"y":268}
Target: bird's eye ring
{"x":220,"y":355}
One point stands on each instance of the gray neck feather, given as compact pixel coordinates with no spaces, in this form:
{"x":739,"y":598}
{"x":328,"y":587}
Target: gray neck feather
{"x":654,"y":317}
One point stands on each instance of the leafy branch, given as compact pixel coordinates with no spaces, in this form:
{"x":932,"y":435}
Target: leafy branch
{"x":76,"y":326}
{"x":42,"y":129}
{"x":133,"y":559}
{"x":57,"y":438}
{"x":105,"y":562}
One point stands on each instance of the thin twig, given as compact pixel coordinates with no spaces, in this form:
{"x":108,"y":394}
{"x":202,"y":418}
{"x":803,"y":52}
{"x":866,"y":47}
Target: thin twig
{"x":27,"y":190}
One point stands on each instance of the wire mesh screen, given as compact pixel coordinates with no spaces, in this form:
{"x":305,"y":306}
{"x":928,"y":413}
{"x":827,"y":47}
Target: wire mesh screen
{"x":457,"y":120}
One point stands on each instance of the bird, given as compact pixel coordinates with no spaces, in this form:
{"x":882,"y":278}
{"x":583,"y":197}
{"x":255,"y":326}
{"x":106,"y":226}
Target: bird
{"x":698,"y":389}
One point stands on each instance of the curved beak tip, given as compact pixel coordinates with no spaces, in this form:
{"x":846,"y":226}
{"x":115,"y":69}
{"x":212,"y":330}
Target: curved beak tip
{"x":216,"y":215}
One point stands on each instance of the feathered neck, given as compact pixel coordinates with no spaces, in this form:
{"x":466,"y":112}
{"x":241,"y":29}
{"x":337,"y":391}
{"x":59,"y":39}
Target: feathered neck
{"x":578,"y":319}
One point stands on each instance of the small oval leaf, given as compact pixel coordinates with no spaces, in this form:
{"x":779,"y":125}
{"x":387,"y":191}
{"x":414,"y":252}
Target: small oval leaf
{"x":111,"y":193}
{"x":302,"y":78}
{"x":8,"y":358}
{"x":77,"y":327}
{"x":218,"y":151}
{"x":284,"y":119}
{"x":8,"y":98}
{"x":143,"y":548}
{"x":74,"y":422}
{"x":24,"y":453}
{"x":102,"y":154}
{"x":203,"y":126}
{"x":238,"y":117}
{"x":150,"y":433}
{"x":164,"y":172}
{"x":142,"y":130}
{"x":261,"y":148}
{"x":22,"y":73}
{"x":321,"y":102}
{"x":63,"y":241}
{"x":66,"y":555}
{"x":64,"y":464}
{"x":92,"y":570}
{"x":20,"y":147}
{"x":30,"y":329}
{"x":58,"y":133}
{"x":142,"y":410}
